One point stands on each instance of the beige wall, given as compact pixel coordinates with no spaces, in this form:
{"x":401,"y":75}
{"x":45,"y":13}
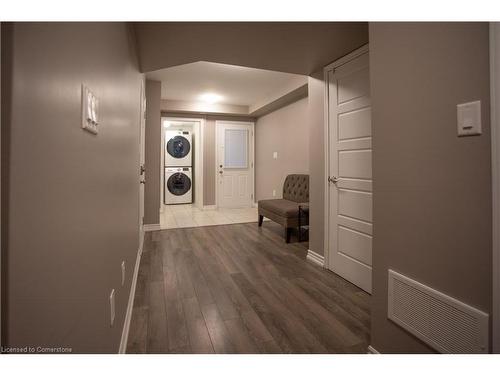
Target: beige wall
{"x":432,"y":189}
{"x":186,"y":106}
{"x":285,"y":131}
{"x":294,"y":47}
{"x":71,"y":197}
{"x":209,"y":156}
{"x":153,"y":153}
{"x":316,"y":162}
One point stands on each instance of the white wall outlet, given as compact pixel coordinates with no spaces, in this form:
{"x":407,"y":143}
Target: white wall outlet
{"x":112,"y":307}
{"x":469,"y":119}
{"x":90,"y":110}
{"x":274,"y":193}
{"x":275,"y":155}
{"x":123,"y":273}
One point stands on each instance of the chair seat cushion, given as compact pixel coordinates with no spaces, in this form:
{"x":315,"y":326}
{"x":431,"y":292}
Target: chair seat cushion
{"x":281,"y":207}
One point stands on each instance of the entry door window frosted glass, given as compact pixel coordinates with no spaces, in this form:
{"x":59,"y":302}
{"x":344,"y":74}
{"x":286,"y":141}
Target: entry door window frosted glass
{"x":235,"y":148}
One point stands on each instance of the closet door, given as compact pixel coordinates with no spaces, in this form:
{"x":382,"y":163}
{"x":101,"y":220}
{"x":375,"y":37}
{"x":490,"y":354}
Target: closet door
{"x":350,"y":172}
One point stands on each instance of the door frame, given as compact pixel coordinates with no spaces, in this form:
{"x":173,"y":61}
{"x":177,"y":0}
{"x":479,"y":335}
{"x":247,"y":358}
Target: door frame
{"x":495,"y":178}
{"x":252,"y":159}
{"x":198,"y":132}
{"x":326,"y":145}
{"x":142,"y":155}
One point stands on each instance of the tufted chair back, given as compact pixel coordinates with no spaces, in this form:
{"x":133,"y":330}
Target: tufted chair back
{"x":296,"y":188}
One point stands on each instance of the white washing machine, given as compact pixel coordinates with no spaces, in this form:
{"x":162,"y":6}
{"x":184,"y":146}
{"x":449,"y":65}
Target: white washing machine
{"x":178,"y":148}
{"x":178,"y":185}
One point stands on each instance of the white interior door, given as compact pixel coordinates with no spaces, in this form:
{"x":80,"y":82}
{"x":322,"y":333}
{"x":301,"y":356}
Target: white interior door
{"x":235,"y":163}
{"x":350,"y":172}
{"x":142,"y":150}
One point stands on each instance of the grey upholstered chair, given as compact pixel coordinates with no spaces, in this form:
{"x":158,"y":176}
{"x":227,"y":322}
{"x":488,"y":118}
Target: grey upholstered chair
{"x":286,"y":211}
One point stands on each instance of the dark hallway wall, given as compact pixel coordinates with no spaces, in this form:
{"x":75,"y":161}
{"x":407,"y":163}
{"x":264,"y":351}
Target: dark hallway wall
{"x":72,"y":197}
{"x":152,"y":199}
{"x":431,"y":188}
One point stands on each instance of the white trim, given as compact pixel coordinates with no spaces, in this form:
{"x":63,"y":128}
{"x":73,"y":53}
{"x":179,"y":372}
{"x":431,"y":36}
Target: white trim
{"x":326,"y":145}
{"x":326,"y":155}
{"x":495,"y":164}
{"x":151,"y":227}
{"x":252,"y":159}
{"x":131,"y":297}
{"x":345,"y":59}
{"x":210,"y":207}
{"x":372,"y":350}
{"x":315,"y":258}
{"x":198,"y":172}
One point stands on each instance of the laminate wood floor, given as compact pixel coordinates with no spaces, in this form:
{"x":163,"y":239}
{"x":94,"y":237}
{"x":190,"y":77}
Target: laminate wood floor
{"x":241,"y":289}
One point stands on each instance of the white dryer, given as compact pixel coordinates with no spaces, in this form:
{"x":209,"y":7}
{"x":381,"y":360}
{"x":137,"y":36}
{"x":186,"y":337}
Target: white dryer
{"x":178,"y":148}
{"x":178,"y":185}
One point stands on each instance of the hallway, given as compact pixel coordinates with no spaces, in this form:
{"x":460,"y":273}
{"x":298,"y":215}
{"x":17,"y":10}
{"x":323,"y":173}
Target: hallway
{"x":240,"y":289}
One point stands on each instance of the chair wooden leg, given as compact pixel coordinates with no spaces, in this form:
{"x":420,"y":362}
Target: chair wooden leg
{"x":288,"y":234}
{"x":261,"y":218}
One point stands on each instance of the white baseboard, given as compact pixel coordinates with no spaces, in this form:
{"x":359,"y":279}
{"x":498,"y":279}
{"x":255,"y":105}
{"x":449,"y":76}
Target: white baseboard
{"x":315,"y":258}
{"x":151,"y":227}
{"x":210,"y":207}
{"x":372,"y":350}
{"x":131,"y":297}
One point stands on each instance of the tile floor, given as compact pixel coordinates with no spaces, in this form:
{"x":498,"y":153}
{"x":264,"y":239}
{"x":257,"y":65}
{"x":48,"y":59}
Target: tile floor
{"x":187,"y":216}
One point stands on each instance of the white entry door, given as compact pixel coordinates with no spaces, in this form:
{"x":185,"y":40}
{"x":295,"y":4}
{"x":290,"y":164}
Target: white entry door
{"x":235,"y":165}
{"x":350,"y":170}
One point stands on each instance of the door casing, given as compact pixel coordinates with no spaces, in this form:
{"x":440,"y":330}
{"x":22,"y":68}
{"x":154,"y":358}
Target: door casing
{"x":142,"y":159}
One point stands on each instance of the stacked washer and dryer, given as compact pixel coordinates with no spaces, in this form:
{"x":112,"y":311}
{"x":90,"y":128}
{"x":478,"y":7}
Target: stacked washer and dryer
{"x":178,"y":179}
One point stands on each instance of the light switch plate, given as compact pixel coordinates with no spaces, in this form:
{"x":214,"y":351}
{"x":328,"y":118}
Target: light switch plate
{"x":469,"y":119}
{"x":90,"y":111}
{"x":275,"y":155}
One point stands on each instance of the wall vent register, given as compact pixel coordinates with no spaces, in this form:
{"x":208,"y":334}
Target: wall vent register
{"x":444,"y":323}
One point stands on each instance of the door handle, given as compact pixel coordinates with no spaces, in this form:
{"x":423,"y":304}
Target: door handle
{"x":333,"y":179}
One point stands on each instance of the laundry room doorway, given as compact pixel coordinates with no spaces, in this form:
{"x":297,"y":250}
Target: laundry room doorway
{"x":181,"y":165}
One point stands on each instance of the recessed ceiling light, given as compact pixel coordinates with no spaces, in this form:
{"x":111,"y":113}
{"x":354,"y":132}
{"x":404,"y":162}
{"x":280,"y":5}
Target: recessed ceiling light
{"x":210,"y":97}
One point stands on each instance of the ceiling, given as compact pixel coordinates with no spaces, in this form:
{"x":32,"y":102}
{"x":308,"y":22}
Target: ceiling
{"x":235,"y":85}
{"x":293,"y":47}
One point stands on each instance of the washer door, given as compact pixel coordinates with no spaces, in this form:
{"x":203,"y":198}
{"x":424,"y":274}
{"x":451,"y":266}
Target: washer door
{"x":178,"y":147}
{"x":178,"y":184}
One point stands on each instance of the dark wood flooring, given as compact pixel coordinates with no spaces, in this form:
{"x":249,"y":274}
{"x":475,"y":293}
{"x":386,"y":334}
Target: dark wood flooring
{"x":241,"y":289}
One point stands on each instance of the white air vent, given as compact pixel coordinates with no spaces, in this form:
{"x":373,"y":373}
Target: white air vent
{"x":446,"y":324}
